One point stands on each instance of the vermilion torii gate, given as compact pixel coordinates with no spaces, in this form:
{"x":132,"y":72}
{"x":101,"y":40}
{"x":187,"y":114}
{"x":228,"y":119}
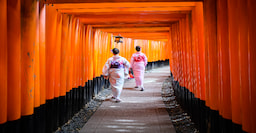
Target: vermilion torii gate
{"x":54,"y":50}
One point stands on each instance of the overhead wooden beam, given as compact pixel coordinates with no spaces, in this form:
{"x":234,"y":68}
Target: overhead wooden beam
{"x":138,"y":29}
{"x":123,"y":5}
{"x":145,"y":35}
{"x":130,"y":25}
{"x":136,"y":9}
{"x":115,"y":1}
{"x":141,"y":16}
{"x":125,"y":21}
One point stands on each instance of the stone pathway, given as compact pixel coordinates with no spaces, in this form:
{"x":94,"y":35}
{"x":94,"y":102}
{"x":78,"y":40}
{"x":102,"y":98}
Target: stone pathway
{"x":140,"y":111}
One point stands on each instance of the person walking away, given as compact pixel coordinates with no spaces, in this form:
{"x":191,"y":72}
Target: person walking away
{"x":116,"y":68}
{"x":138,"y":64}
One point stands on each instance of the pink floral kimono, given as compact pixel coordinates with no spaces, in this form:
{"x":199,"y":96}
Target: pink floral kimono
{"x":138,"y":64}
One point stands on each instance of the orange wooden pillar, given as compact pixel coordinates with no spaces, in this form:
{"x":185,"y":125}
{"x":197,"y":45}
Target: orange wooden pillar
{"x":177,"y":52}
{"x":252,"y":64}
{"x":201,"y":51}
{"x":181,"y":52}
{"x":223,"y":48}
{"x":50,"y":43}
{"x":170,"y":53}
{"x":188,"y":50}
{"x":173,"y":51}
{"x":37,"y":97}
{"x":101,"y":48}
{"x":64,"y":55}
{"x":69,"y":54}
{"x":244,"y":65}
{"x":91,"y":56}
{"x":63,"y":67}
{"x":58,"y":55}
{"x":234,"y":61}
{"x":96,"y":52}
{"x":194,"y":48}
{"x":50,"y":62}
{"x":87,"y":53}
{"x":3,"y":61}
{"x":79,"y":55}
{"x":28,"y":35}
{"x":210,"y":41}
{"x":42,"y":53}
{"x":78,"y":65}
{"x":184,"y":52}
{"x":37,"y":61}
{"x":82,"y":72}
{"x":174,"y":59}
{"x":14,"y":60}
{"x":74,"y":40}
{"x":84,"y":63}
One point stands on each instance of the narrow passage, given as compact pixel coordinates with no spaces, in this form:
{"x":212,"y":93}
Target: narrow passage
{"x":139,"y":111}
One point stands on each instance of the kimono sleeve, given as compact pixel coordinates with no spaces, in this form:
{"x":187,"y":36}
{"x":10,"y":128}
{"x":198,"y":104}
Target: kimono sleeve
{"x":132,"y":60}
{"x":106,"y":68}
{"x":145,"y":60}
{"x":126,"y":66}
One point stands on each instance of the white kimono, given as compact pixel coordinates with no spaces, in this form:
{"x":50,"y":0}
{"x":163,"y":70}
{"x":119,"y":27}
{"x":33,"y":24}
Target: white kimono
{"x":116,"y":68}
{"x":138,"y":64}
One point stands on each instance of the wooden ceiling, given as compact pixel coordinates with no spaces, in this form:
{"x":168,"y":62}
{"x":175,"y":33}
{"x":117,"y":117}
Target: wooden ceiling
{"x":138,"y":19}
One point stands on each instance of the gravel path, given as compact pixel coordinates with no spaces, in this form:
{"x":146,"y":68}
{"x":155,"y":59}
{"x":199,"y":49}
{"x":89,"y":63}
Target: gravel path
{"x":80,"y":118}
{"x":180,"y":119}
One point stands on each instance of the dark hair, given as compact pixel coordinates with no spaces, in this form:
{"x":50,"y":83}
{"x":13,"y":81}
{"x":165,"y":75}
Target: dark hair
{"x":137,"y":48}
{"x":115,"y":51}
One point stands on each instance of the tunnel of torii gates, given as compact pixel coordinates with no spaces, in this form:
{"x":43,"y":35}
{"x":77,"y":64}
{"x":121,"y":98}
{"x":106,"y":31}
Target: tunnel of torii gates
{"x":53,"y":51}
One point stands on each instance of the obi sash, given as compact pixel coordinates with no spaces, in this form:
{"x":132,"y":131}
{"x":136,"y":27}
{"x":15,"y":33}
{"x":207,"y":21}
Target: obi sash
{"x":138,"y":58}
{"x":116,"y":64}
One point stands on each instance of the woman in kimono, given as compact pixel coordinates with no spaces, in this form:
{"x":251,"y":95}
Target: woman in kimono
{"x":116,"y":68}
{"x":138,"y":64}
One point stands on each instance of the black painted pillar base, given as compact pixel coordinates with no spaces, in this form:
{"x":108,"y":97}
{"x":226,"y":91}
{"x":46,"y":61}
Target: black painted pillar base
{"x":85,"y":93}
{"x":95,"y":86}
{"x":11,"y":127}
{"x":81,"y":97}
{"x":3,"y":128}
{"x":37,"y":119}
{"x":56,"y":111}
{"x":90,"y":90}
{"x":27,"y":124}
{"x":237,"y":128}
{"x":63,"y":110}
{"x":49,"y":115}
{"x":69,"y":104}
{"x":74,"y":101}
{"x":206,"y":119}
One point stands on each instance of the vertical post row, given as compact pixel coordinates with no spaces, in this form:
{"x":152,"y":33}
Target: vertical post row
{"x":58,"y":55}
{"x":224,"y":69}
{"x":244,"y":64}
{"x":252,"y":57}
{"x":3,"y":61}
{"x":234,"y":60}
{"x":50,"y":60}
{"x":64,"y":55}
{"x":28,"y":32}
{"x":42,"y":53}
{"x":201,"y":49}
{"x":14,"y":60}
{"x":210,"y":41}
{"x":37,"y":66}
